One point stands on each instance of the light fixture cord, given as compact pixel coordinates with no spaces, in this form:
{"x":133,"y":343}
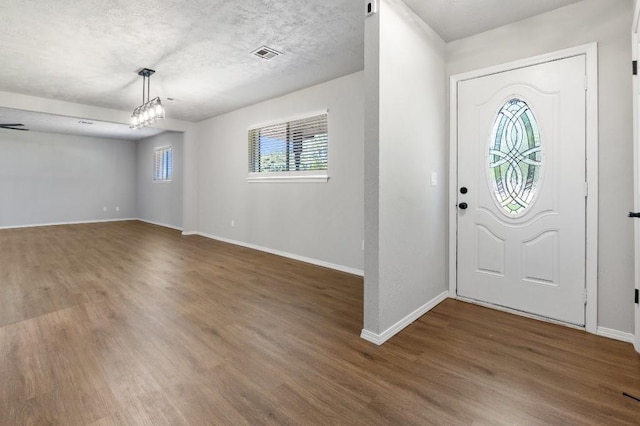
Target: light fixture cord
{"x":148,"y":88}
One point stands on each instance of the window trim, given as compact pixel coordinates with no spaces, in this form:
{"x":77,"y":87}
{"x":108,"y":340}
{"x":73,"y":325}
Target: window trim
{"x":156,"y":150}
{"x":292,"y":176}
{"x":295,"y":176}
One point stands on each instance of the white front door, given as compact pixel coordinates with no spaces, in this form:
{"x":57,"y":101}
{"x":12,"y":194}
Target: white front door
{"x":521,"y":196}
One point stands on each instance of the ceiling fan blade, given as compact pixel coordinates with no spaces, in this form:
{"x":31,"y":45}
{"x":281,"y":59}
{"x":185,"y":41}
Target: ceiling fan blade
{"x":13,"y":127}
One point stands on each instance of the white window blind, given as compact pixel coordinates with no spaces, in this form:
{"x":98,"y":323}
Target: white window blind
{"x":163,"y":164}
{"x":293,"y":146}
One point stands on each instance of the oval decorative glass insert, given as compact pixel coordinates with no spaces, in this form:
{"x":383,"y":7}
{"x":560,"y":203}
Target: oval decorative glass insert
{"x":515,"y":157}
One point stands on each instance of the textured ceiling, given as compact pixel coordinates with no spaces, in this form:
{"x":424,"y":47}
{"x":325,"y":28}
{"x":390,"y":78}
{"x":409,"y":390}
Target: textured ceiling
{"x":455,"y":19}
{"x":89,"y":51}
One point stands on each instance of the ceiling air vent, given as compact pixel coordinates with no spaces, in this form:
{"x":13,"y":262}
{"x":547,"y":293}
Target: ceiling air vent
{"x":265,"y":52}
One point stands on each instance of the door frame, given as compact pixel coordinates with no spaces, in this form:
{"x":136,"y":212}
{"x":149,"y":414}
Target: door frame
{"x":635,"y":39}
{"x":590,"y":51}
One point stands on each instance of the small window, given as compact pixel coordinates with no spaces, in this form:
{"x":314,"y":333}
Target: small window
{"x":293,"y":149}
{"x":163,"y":164}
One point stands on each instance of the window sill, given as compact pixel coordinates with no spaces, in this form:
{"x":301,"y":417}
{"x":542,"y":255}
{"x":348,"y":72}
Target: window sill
{"x":260,"y":178}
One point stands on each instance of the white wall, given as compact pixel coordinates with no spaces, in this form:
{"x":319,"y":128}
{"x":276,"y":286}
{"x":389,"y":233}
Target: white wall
{"x":320,"y":221}
{"x":160,"y":202}
{"x":87,"y":112}
{"x":608,"y":22}
{"x":50,"y":178}
{"x":408,"y":77}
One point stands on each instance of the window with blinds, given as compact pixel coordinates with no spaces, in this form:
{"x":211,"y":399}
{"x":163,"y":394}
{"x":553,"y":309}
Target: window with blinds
{"x":297,"y":148}
{"x":163,"y":164}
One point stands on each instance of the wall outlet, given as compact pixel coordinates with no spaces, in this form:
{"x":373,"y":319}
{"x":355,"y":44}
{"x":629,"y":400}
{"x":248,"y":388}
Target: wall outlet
{"x":117,"y":208}
{"x":104,"y":209}
{"x":233,"y":223}
{"x":434,"y":179}
{"x":362,"y":245}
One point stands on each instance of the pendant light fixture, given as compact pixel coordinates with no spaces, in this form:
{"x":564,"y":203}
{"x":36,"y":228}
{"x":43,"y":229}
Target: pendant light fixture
{"x":151,"y":110}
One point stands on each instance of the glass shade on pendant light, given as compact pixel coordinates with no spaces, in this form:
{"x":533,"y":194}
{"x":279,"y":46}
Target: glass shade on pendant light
{"x":147,"y":114}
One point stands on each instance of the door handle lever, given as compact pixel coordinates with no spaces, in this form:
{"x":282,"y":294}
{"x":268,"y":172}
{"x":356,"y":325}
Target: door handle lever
{"x":632,"y":214}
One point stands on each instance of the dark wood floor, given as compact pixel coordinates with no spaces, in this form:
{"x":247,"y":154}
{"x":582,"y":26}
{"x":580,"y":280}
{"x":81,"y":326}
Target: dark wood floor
{"x":129,"y":323}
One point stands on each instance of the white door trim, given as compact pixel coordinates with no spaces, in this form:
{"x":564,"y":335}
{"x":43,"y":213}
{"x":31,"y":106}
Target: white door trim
{"x":635,"y":39}
{"x":591,"y":53}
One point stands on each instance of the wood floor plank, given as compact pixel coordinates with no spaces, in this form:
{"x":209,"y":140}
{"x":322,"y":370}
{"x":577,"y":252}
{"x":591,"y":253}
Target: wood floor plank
{"x":129,"y":323}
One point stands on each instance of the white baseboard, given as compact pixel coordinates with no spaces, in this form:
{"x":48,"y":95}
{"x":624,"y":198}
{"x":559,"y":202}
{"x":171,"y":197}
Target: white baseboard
{"x":379,"y":339}
{"x":370,"y":337}
{"x":616,"y":334}
{"x":190,"y":233}
{"x":322,"y":263}
{"x":80,"y":222}
{"x":160,"y":224}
